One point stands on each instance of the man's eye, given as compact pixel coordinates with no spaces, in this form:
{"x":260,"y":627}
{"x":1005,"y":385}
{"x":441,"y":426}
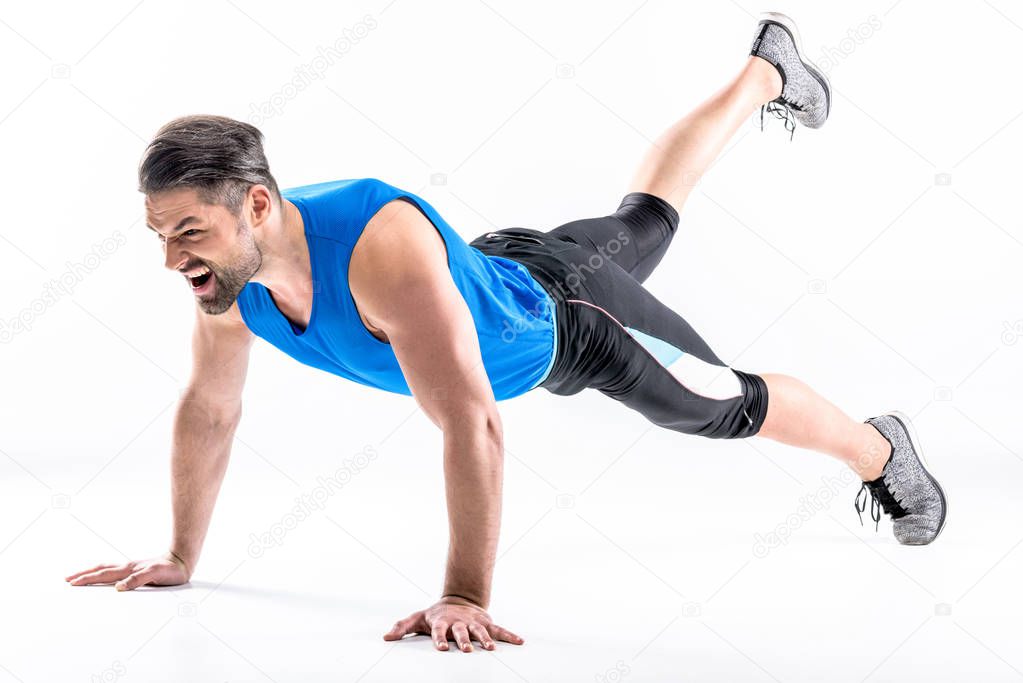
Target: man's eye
{"x":190,"y":232}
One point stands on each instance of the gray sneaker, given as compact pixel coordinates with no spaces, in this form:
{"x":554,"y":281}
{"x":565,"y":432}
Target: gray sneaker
{"x":905,"y":490}
{"x":805,"y":93}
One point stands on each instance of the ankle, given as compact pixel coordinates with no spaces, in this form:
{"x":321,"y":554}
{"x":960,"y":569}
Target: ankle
{"x":762,"y":78}
{"x":873,"y":455}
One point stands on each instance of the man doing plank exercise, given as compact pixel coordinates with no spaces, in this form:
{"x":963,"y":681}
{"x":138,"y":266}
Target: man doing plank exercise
{"x":369,"y":282}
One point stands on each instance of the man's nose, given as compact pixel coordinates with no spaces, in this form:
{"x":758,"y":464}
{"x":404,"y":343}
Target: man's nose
{"x":174,"y":258}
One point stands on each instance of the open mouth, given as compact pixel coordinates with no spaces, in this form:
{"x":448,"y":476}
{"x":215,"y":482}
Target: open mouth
{"x":201,"y":283}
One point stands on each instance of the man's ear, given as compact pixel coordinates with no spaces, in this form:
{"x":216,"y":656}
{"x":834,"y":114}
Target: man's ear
{"x":258,"y":204}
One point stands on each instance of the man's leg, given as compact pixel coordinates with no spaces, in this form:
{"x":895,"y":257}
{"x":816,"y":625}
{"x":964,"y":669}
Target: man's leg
{"x":628,"y":345}
{"x":684,"y":152}
{"x":796,"y":415}
{"x":648,"y":216}
{"x":636,"y":236}
{"x":800,"y":417}
{"x":616,"y":337}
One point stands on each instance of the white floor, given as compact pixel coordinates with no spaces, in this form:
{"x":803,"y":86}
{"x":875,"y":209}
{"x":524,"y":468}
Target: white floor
{"x":620,"y":559}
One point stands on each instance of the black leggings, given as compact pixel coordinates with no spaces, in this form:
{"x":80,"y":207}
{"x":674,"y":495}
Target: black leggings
{"x":616,"y":337}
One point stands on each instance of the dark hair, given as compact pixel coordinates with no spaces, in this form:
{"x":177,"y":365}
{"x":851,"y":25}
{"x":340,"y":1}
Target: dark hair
{"x":220,"y":157}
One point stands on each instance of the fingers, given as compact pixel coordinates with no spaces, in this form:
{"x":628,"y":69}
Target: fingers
{"x":139,"y":578}
{"x":107,"y":575}
{"x":440,"y":635}
{"x":98,"y":567}
{"x":410,"y":624}
{"x":397,"y":631}
{"x":505,"y":635}
{"x":462,"y":631}
{"x":461,"y":634}
{"x":480,"y":634}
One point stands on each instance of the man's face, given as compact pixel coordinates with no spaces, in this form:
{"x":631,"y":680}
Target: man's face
{"x":214,"y":250}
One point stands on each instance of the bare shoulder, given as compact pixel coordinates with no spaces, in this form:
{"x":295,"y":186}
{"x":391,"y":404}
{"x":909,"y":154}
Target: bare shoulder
{"x":398,"y":245}
{"x":400,"y":222}
{"x":398,"y":263}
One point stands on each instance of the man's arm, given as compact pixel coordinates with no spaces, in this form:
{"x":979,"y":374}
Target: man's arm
{"x":400,"y":281}
{"x":207,"y":415}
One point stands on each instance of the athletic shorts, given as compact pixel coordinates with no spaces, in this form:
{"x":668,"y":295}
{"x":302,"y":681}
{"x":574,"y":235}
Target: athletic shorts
{"x":615,"y":336}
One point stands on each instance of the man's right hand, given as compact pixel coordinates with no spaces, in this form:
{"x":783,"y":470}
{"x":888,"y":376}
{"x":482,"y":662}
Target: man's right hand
{"x":167,"y":570}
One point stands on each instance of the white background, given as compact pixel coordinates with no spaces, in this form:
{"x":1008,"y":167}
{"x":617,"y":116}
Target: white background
{"x":876,"y":259}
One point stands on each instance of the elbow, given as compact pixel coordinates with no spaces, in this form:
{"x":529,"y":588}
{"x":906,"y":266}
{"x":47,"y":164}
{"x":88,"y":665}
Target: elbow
{"x":495,"y":430}
{"x":481,"y":427}
{"x":216,"y":412}
{"x":489,"y":430}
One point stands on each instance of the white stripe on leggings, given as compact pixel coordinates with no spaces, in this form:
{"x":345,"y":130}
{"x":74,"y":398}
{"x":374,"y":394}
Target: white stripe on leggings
{"x":695,"y":374}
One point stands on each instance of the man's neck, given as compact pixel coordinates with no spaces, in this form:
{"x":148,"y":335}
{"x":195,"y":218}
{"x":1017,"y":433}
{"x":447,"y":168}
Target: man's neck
{"x":286,"y":269}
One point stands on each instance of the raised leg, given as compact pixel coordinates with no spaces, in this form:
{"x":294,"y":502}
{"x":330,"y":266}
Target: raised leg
{"x":681,"y":155}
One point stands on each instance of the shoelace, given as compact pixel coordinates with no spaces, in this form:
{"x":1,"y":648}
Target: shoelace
{"x":780,"y":111}
{"x":880,"y":499}
{"x":875,"y":505}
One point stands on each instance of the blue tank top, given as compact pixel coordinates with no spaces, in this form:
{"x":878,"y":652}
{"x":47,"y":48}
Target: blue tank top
{"x":513,"y":314}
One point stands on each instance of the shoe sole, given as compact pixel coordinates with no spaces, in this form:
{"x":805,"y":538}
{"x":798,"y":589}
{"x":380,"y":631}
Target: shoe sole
{"x":786,"y":23}
{"x":914,"y":440}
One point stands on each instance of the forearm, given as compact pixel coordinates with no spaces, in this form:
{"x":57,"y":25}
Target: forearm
{"x":473,"y":472}
{"x":201,"y":450}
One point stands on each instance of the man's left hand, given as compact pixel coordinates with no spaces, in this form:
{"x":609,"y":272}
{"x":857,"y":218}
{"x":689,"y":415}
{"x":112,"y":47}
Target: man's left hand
{"x":454,"y":619}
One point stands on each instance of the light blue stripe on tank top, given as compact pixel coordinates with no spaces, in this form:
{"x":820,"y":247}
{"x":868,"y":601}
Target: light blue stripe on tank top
{"x":554,"y":350}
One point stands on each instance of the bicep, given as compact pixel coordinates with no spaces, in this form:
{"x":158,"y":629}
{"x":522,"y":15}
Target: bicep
{"x":402,"y":281}
{"x":434,"y":339}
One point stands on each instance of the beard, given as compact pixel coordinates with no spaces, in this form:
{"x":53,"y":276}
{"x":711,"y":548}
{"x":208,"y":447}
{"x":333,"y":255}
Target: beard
{"x":231,"y":278}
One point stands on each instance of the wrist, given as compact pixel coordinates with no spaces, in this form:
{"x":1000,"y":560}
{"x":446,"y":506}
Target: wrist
{"x":459,"y":599}
{"x":179,"y":559}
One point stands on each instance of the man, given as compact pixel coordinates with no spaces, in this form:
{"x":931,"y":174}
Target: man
{"x":367,"y":281}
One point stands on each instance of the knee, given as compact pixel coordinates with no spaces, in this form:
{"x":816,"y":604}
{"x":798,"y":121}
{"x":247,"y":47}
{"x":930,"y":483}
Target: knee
{"x":755,"y":400}
{"x":749,"y":410}
{"x":650,"y":209}
{"x":651,"y":225}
